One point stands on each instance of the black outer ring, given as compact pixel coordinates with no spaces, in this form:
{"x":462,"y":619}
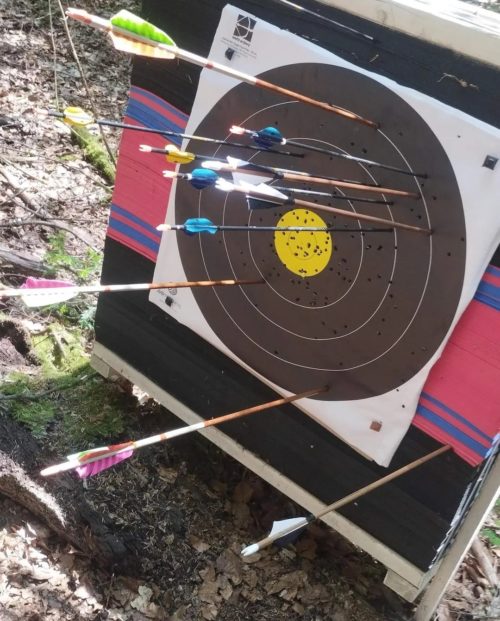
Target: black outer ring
{"x":363,"y":334}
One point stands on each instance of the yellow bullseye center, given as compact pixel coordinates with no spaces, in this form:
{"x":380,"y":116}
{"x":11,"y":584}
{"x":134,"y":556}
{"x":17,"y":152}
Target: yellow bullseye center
{"x":305,"y":253}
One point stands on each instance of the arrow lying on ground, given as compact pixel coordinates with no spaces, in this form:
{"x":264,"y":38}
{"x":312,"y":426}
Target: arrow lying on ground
{"x":271,"y":136}
{"x":283,"y":529}
{"x":77,"y":116}
{"x":201,"y":178}
{"x":41,"y":292}
{"x":193,"y":226}
{"x":234,"y":165}
{"x":88,"y":463}
{"x":134,"y":35}
{"x":266,"y":197}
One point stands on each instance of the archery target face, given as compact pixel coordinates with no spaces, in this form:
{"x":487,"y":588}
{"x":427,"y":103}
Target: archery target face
{"x":361,"y":312}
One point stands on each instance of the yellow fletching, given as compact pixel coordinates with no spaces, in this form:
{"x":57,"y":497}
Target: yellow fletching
{"x":123,"y":44}
{"x":77,"y":116}
{"x":175,"y":156}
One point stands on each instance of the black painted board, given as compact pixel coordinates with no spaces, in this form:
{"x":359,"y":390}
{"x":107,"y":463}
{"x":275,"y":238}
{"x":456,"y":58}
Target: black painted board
{"x":456,"y":80}
{"x":412,"y":514}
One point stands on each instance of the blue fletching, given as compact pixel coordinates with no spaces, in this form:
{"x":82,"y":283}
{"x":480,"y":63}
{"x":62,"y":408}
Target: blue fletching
{"x":267,"y":137}
{"x":199,"y":225}
{"x":202,"y":178}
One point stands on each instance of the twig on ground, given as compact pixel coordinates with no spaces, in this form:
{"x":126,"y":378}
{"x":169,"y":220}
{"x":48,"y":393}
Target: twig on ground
{"x":53,"y":222}
{"x":84,"y":80}
{"x":484,"y":561}
{"x":21,"y":192}
{"x":42,"y":213}
{"x":22,"y":260}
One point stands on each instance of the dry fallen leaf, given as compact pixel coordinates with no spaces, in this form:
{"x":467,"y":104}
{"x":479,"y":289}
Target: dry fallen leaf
{"x":197,"y":544}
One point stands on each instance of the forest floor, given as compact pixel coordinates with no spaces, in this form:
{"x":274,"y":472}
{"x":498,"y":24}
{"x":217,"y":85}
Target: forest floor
{"x":157,"y":537}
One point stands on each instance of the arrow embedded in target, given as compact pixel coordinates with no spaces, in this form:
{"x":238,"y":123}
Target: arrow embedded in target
{"x":264,"y":196}
{"x":235,"y":165}
{"x":75,"y":116}
{"x":271,"y":136}
{"x":194,"y":226}
{"x":201,"y":178}
{"x":129,"y":33}
{"x":37,"y":292}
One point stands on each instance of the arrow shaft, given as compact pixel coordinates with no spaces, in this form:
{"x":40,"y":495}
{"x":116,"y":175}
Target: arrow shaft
{"x":168,"y":133}
{"x":303,"y":176}
{"x":71,"y":464}
{"x":363,"y":217}
{"x":128,"y":287}
{"x":302,"y":9}
{"x":352,"y":158}
{"x":349,"y":184}
{"x":195,"y":59}
{"x":267,"y":541}
{"x":335,"y":196}
{"x":278,"y":229}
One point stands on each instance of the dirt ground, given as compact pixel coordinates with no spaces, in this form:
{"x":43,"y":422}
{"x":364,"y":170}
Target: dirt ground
{"x":173,"y":518}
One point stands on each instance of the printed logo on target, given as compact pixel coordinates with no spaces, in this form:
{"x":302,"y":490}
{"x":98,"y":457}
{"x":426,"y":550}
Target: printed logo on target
{"x":244,"y":28}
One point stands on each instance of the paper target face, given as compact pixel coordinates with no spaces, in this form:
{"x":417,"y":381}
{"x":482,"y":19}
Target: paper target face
{"x":361,"y":312}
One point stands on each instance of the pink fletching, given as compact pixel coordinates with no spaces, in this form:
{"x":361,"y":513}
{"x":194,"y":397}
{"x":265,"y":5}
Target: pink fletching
{"x":94,"y":467}
{"x":37,"y":283}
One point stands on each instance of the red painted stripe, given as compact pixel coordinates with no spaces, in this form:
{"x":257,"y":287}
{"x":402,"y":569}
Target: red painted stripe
{"x":466,"y":379}
{"x":491,"y":279}
{"x":140,"y":186}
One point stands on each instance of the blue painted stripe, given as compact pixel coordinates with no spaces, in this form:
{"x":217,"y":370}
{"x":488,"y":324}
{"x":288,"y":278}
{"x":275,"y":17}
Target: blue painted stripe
{"x":459,"y":435}
{"x":456,"y":415}
{"x":123,"y":228}
{"x":150,"y":118}
{"x":133,"y":218}
{"x":488,"y":289}
{"x":160,"y":102}
{"x":486,"y":299}
{"x":493,"y":269}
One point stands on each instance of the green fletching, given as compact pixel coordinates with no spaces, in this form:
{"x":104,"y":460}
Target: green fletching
{"x":128,"y":21}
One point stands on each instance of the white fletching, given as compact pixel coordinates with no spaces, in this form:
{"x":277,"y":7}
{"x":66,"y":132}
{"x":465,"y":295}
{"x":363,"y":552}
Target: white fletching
{"x":213,"y":165}
{"x":34,"y":299}
{"x":225,"y":185}
{"x":235,"y":162}
{"x":268,"y":190}
{"x":249,"y":178}
{"x":281,"y":527}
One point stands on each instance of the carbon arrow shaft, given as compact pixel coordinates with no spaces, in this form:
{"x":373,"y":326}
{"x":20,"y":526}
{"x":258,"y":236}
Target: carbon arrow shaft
{"x":171,"y":134}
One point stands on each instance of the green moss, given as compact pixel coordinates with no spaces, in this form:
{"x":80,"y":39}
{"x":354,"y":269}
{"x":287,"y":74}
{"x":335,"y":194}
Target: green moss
{"x":94,"y":152}
{"x":35,"y":415}
{"x":66,"y":404}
